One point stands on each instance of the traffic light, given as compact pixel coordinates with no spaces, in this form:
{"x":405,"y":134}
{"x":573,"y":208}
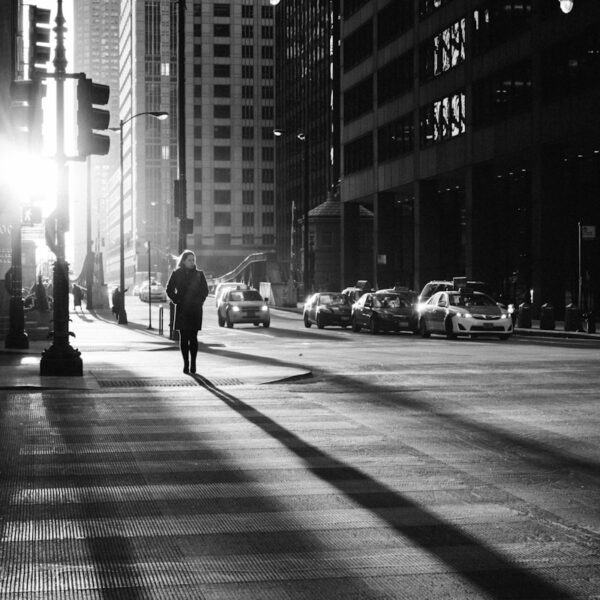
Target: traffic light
{"x":39,"y":40}
{"x":90,"y":118}
{"x":26,"y":111}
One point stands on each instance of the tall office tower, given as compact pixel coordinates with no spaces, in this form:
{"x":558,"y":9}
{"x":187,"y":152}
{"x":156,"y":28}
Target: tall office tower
{"x":228,"y":129}
{"x":307,"y":118}
{"x":95,"y":50}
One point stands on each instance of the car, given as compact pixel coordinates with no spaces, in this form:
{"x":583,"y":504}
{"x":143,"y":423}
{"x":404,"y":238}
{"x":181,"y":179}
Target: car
{"x":152,"y":291}
{"x":453,"y":313}
{"x":384,"y":310}
{"x":354,"y":292}
{"x":243,"y":306}
{"x":327,"y":308}
{"x":440,"y":285}
{"x":228,"y":285}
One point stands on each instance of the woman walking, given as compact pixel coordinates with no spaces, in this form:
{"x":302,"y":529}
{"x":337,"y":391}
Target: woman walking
{"x":187,"y":288}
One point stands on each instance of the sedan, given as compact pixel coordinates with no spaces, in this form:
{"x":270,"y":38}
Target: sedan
{"x":385,"y":310}
{"x":243,"y":306}
{"x":327,"y":308}
{"x":155,"y":292}
{"x":454,"y":313}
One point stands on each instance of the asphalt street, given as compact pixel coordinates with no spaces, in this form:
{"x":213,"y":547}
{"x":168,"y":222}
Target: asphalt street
{"x":301,"y":464}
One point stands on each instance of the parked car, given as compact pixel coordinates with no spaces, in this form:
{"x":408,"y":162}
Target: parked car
{"x":152,"y":290}
{"x":354,"y":292}
{"x":327,"y":308}
{"x":456,"y":284}
{"x":454,"y":313}
{"x":228,"y":285}
{"x":385,"y":310}
{"x":243,"y":306}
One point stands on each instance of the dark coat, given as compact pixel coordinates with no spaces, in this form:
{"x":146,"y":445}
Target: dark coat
{"x":187,"y":288}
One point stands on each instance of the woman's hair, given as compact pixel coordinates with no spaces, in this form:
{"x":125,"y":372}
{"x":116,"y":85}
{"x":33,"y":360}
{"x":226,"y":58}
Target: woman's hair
{"x":183,"y":256}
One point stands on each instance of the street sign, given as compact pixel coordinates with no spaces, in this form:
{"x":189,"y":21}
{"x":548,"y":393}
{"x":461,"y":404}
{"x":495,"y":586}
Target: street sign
{"x":588,"y":232}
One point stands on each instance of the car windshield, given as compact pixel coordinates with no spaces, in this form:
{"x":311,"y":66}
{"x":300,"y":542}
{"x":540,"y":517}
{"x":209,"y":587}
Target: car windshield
{"x":333,"y":299}
{"x":251,"y":295}
{"x":389,"y":301}
{"x":471,"y":300}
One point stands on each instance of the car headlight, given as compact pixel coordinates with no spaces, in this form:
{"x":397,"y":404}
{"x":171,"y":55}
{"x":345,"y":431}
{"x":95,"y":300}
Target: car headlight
{"x":235,"y":308}
{"x":264,"y":308}
{"x":464,"y":315}
{"x":504,"y":316}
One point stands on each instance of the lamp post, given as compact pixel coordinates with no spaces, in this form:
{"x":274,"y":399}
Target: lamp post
{"x":122,"y":315}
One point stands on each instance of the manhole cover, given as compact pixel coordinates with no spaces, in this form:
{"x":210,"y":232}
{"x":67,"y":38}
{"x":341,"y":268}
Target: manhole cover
{"x":153,"y":382}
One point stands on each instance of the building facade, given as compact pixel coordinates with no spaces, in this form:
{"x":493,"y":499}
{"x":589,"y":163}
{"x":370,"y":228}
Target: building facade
{"x":469,"y":129}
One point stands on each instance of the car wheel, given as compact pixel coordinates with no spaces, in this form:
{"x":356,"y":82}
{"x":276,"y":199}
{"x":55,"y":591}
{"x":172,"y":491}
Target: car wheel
{"x":228,"y":321}
{"x":504,"y":336}
{"x":449,"y":329}
{"x":307,"y":323}
{"x":221,"y":320}
{"x":373,"y":326}
{"x":320,"y":323}
{"x":423,"y":328}
{"x":355,"y":326}
{"x":267,"y":324}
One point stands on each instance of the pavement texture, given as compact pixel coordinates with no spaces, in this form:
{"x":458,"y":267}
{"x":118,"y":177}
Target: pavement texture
{"x":136,"y":481}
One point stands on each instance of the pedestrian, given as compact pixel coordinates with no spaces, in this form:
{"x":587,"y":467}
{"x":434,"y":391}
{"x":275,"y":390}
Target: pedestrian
{"x":116,"y":302}
{"x":77,"y":297}
{"x":187,"y":288}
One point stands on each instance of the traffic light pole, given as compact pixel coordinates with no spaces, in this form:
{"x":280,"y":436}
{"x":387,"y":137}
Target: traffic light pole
{"x":61,"y":358}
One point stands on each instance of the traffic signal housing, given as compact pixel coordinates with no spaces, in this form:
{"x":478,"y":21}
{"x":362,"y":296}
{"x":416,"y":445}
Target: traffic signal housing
{"x":39,"y":40}
{"x":26,"y":112}
{"x":90,"y":118}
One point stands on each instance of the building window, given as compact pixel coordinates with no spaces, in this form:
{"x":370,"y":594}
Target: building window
{"x":247,"y":219}
{"x":222,"y":132}
{"x":248,"y":197}
{"x":358,"y":100}
{"x":247,"y":51}
{"x":222,"y":196}
{"x":267,"y":133}
{"x":222,"y":153}
{"x":222,"y":175}
{"x":222,"y":219}
{"x":198,"y":153}
{"x":268,"y":219}
{"x":247,"y":72}
{"x":198,"y":174}
{"x":198,"y":132}
{"x":248,"y":175}
{"x":396,"y":138}
{"x":443,"y":51}
{"x":247,"y":111}
{"x":496,"y":22}
{"x":266,"y":12}
{"x":248,"y":239}
{"x":443,"y":120}
{"x":221,"y":70}
{"x":247,"y":153}
{"x":247,"y":12}
{"x":197,"y":50}
{"x":222,"y":111}
{"x":247,"y":31}
{"x":268,"y":239}
{"x":221,"y":10}
{"x":268,"y":153}
{"x":358,"y":154}
{"x":268,"y":175}
{"x":268,"y":197}
{"x":266,"y":52}
{"x":248,"y":133}
{"x":197,"y":111}
{"x":222,"y":240}
{"x":358,"y":45}
{"x":221,"y":30}
{"x":395,"y":78}
{"x":197,"y":29}
{"x":247,"y":91}
{"x":267,"y":72}
{"x":394,"y":20}
{"x":267,"y":113}
{"x":222,"y":91}
{"x":221,"y":50}
{"x":266,"y":32}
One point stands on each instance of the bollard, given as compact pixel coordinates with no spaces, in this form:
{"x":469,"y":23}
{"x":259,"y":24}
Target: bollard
{"x":589,"y":322}
{"x":524,"y":316}
{"x":547,"y":316}
{"x":572,"y":318}
{"x":161,"y":319}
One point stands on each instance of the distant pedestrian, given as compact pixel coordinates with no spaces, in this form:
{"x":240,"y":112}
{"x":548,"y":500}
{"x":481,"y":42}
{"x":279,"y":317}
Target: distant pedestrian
{"x":188,"y":289}
{"x":117,"y":302}
{"x":77,"y":297}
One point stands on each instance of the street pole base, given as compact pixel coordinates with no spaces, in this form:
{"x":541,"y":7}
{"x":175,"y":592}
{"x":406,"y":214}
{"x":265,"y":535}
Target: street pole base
{"x":61,"y":362}
{"x":17,"y":340}
{"x":122,"y":319}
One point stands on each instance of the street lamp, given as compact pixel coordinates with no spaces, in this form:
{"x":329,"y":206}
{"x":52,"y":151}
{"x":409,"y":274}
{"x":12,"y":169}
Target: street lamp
{"x":565,"y":5}
{"x":122,"y":314}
